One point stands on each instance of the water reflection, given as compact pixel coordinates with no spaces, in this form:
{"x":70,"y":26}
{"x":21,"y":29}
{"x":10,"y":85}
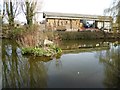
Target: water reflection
{"x":83,"y":44}
{"x":8,"y":49}
{"x":0,"y":63}
{"x":37,"y":74}
{"x":19,"y":71}
{"x":111,"y":61}
{"x":94,"y":68}
{"x":58,"y":64}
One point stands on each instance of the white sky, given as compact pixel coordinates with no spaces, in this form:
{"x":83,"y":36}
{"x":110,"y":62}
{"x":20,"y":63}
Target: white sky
{"x":93,"y":7}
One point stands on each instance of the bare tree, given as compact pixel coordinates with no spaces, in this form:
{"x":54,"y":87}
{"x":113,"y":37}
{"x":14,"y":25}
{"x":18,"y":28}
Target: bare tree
{"x":11,"y":10}
{"x":28,"y":8}
{"x":114,"y":11}
{"x":118,"y":15}
{"x":0,"y":9}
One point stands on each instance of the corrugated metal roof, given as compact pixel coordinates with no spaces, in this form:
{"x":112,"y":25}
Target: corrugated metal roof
{"x":75,"y":16}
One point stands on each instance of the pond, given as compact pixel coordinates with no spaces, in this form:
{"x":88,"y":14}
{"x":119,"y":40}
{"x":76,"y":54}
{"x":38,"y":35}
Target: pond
{"x":83,"y":64}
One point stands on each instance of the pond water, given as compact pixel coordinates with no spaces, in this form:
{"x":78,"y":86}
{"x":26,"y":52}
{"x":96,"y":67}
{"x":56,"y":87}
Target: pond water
{"x":83,"y":64}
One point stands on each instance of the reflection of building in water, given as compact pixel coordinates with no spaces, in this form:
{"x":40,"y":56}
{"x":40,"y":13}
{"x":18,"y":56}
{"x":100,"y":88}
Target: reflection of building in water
{"x":80,"y":44}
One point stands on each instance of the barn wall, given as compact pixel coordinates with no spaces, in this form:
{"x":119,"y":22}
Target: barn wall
{"x":62,"y":24}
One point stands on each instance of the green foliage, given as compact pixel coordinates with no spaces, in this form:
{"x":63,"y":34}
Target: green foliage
{"x":38,"y":51}
{"x":17,"y":32}
{"x":56,"y":49}
{"x":24,"y":29}
{"x":27,"y":36}
{"x":26,"y":50}
{"x":50,"y":51}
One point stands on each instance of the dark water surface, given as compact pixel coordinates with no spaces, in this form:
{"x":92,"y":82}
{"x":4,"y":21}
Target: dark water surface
{"x":83,"y":64}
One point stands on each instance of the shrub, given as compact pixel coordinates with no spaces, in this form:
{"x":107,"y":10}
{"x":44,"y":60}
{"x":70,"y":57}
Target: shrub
{"x":28,"y":36}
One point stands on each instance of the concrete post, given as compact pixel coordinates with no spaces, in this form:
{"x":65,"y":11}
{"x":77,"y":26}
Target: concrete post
{"x":70,"y":24}
{"x":45,"y":24}
{"x":96,"y":24}
{"x":103,"y":25}
{"x":111,"y":24}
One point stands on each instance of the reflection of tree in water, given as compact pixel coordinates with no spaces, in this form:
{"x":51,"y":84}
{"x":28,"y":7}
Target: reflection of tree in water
{"x":19,"y":71}
{"x":111,"y":60}
{"x":37,"y":74}
{"x":58,"y":63}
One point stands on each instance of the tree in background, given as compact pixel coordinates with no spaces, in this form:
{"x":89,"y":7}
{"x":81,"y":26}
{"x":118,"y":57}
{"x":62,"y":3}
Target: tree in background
{"x":11,"y":8}
{"x":114,"y":11}
{"x":118,"y":15}
{"x":28,"y":8}
{"x":30,"y":35}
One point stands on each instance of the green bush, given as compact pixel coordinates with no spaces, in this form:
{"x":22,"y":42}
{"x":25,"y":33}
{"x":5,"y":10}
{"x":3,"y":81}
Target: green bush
{"x":17,"y":32}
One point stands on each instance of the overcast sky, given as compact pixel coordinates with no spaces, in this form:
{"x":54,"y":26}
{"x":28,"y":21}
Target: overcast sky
{"x":93,"y":7}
